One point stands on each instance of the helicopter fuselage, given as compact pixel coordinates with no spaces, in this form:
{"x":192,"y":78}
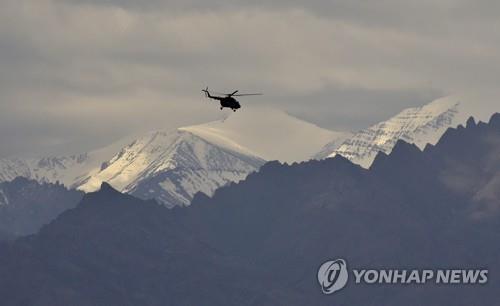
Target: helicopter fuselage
{"x":229,"y":102}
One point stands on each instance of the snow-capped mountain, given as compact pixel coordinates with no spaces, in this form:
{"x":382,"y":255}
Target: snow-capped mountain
{"x":68,"y":170}
{"x":171,"y":166}
{"x":419,"y":125}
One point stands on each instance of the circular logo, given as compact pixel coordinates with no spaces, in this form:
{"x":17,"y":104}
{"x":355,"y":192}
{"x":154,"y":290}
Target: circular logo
{"x":332,"y":276}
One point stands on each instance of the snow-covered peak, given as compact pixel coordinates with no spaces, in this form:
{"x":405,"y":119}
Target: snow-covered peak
{"x":171,"y":166}
{"x":269,"y":133}
{"x":418,"y":125}
{"x":126,"y":165}
{"x":67,"y":170}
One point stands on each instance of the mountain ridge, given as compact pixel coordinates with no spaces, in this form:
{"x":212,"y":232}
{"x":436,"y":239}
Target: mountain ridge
{"x":261,"y":241}
{"x":150,"y":168}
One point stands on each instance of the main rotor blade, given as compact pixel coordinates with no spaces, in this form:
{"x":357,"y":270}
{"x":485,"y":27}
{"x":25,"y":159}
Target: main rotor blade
{"x":252,"y":94}
{"x":232,"y":94}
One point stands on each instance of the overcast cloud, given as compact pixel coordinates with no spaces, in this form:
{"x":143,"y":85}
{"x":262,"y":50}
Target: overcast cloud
{"x":75,"y":75}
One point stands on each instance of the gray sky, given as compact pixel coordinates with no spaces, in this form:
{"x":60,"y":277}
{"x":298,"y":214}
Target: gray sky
{"x":75,"y":75}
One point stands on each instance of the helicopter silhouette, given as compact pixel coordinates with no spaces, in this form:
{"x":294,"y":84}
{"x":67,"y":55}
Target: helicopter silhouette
{"x":227,"y":100}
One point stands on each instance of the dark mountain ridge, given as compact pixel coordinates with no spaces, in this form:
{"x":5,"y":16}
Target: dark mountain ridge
{"x":26,"y":205}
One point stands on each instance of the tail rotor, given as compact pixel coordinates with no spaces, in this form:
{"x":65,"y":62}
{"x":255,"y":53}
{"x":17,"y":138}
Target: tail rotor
{"x":206,"y":92}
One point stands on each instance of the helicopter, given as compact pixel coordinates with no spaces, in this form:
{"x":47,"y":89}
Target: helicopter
{"x":228,"y":100}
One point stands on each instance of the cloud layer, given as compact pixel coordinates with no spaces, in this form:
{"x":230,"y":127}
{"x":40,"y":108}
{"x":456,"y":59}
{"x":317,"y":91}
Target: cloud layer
{"x":76,"y":74}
